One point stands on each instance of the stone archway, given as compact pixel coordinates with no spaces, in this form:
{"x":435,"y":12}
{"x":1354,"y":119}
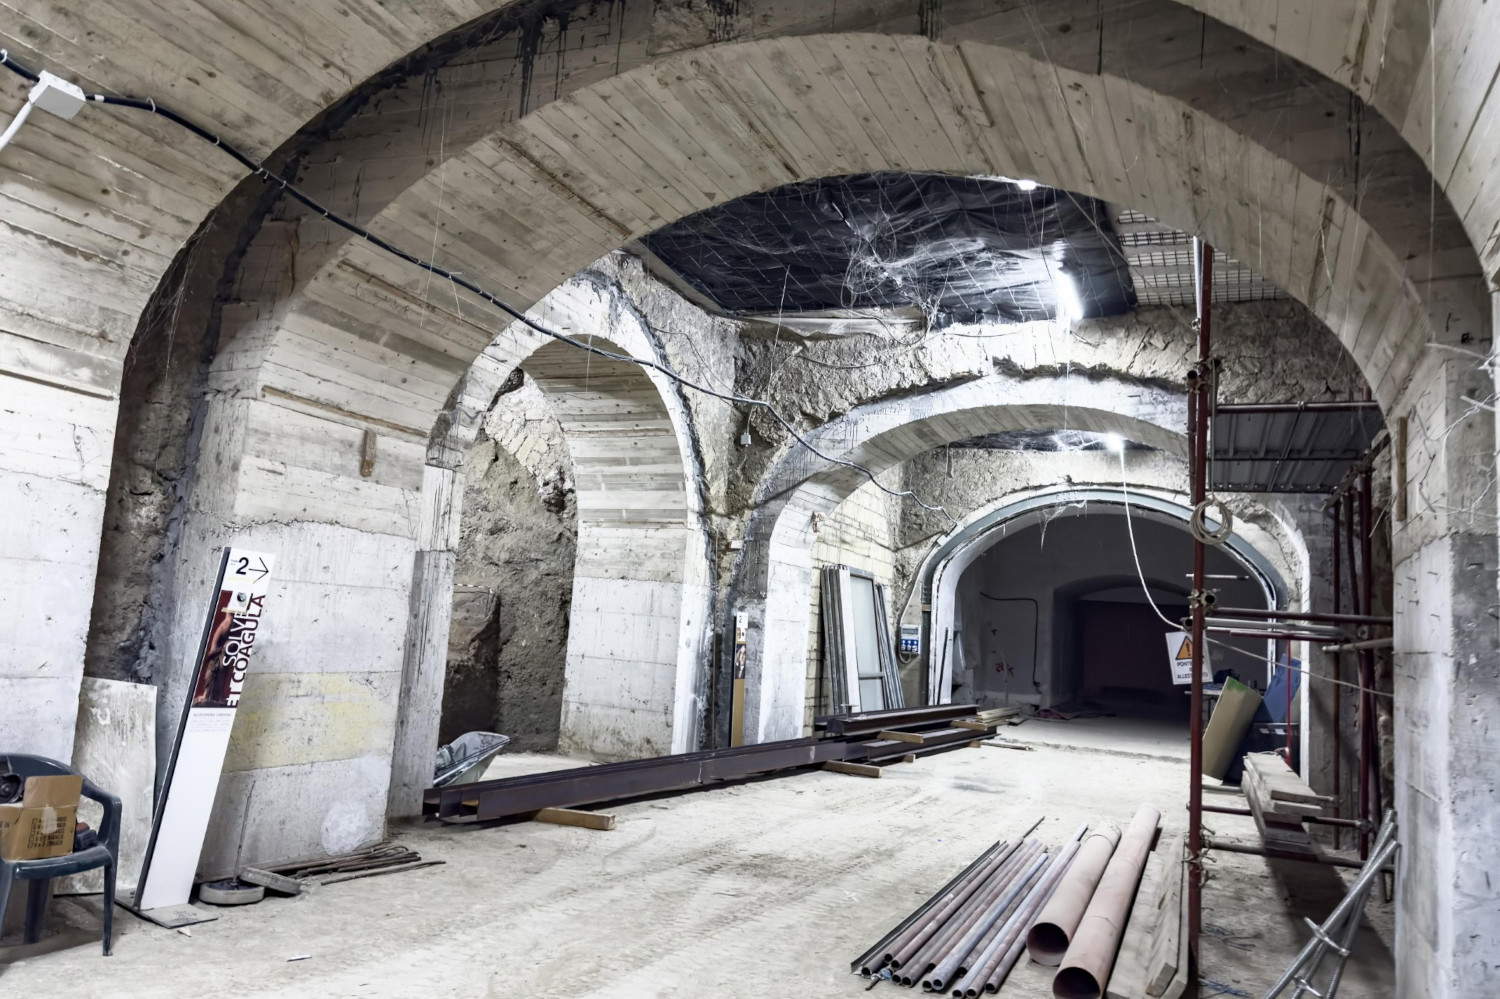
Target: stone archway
{"x":773,"y":580}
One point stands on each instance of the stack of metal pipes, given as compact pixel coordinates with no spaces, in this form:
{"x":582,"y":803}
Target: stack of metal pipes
{"x":969,"y":935}
{"x":1066,"y":906}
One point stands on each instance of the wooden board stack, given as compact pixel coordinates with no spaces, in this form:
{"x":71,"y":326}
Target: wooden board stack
{"x":1153,"y":952}
{"x":1281,"y":802}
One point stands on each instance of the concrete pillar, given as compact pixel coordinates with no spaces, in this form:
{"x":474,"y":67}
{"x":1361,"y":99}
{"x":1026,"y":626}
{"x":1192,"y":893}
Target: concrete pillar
{"x":1447,"y":687}
{"x":54,"y":468}
{"x":424,"y":661}
{"x":308,"y":769}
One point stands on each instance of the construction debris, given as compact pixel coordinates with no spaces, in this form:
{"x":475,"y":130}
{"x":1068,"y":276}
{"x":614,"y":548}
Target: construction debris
{"x":382,"y":858}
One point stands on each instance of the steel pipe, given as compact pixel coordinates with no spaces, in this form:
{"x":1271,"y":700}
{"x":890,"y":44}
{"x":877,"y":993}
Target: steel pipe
{"x":992,"y":914}
{"x":1362,"y":646}
{"x":1310,"y":617}
{"x":1087,"y":964}
{"x":935,"y":909}
{"x":962,"y":921}
{"x":901,"y":950}
{"x":1014,"y":928}
{"x":1047,"y":940}
{"x":1260,"y":851}
{"x":1271,"y":408}
{"x":1323,"y":820}
{"x":1290,"y":636}
{"x":914,"y":968}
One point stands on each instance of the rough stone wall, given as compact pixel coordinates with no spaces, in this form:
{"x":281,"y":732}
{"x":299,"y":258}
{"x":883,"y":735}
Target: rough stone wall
{"x":1271,"y":351}
{"x":513,"y":576}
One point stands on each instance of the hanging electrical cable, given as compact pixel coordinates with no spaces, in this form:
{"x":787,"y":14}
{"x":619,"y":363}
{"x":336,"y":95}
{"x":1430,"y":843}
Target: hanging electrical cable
{"x":258,"y":169}
{"x":1177,"y":625}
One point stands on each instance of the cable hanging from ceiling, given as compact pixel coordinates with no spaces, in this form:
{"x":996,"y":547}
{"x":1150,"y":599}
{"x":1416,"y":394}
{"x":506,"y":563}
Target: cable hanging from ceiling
{"x":258,"y":169}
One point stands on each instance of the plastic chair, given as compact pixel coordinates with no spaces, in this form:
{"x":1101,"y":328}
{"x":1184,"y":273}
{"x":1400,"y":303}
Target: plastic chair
{"x":39,"y":872}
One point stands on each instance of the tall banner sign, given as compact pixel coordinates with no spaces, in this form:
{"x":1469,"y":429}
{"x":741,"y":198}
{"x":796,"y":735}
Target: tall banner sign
{"x":192,"y":776}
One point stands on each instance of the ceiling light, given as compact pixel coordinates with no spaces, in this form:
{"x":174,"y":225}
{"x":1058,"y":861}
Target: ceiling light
{"x":1027,"y":185}
{"x":1069,"y":302}
{"x":1113,"y":442}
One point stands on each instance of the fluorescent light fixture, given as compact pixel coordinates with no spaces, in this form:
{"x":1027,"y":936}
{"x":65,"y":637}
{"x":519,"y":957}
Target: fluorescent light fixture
{"x":1069,"y":302}
{"x":1027,"y":185}
{"x":1113,"y":442}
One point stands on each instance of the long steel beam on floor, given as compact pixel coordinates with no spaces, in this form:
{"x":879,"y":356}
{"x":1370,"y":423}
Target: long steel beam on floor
{"x":871,"y":722}
{"x":511,"y":796}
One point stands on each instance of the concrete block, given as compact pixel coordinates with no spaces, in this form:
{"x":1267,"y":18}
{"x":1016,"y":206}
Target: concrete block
{"x":115,"y":748}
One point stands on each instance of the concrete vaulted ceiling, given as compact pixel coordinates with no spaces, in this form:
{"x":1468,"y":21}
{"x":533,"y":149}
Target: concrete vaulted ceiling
{"x":1145,"y":103}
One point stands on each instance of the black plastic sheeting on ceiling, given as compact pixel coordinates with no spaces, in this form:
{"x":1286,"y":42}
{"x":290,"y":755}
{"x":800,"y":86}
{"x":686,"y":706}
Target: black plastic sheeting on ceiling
{"x":960,"y":248}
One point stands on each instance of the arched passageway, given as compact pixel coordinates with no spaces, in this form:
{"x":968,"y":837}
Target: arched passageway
{"x":337,"y":343}
{"x":1044,"y":604}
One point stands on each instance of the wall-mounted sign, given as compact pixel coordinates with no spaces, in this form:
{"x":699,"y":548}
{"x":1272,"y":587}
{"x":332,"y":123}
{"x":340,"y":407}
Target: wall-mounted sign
{"x":1180,"y":656}
{"x":192,"y":776}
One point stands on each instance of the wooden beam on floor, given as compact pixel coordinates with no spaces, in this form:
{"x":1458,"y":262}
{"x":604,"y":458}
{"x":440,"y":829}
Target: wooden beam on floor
{"x":913,"y":737}
{"x":602,"y":821}
{"x":853,"y":769}
{"x":909,"y":758}
{"x":972,"y":725}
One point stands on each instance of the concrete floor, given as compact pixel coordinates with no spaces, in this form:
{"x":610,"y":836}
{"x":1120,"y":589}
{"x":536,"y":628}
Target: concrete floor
{"x":757,"y":890}
{"x":1145,"y":738}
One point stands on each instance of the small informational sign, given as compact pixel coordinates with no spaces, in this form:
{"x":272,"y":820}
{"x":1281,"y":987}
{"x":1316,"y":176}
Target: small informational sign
{"x":218,"y":678}
{"x":1180,"y":656}
{"x":911,"y":639}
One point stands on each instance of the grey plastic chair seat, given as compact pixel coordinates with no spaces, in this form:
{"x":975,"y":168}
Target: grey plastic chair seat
{"x":38,"y":872}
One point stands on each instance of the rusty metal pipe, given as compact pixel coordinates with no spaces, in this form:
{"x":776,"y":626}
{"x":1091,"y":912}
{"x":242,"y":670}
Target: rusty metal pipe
{"x":1091,"y":956}
{"x":914,"y":967}
{"x":916,"y":934}
{"x":1199,"y":399}
{"x":1338,"y":689}
{"x":1252,"y":613}
{"x":1369,"y":781}
{"x":1047,"y":939}
{"x":913,"y":950}
{"x":965,"y":945}
{"x":1290,"y":636}
{"x":1012,"y":932}
{"x":1322,"y":820}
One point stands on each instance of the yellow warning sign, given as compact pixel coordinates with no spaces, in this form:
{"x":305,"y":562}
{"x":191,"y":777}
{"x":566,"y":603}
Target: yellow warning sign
{"x":1180,"y":657}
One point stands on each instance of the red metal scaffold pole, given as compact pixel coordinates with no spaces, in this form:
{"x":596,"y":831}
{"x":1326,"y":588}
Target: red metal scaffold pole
{"x":1198,"y":405}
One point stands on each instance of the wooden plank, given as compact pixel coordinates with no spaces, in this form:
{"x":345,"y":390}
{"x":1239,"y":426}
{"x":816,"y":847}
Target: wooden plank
{"x":972,"y":725}
{"x":1167,"y":964}
{"x":912,"y":737}
{"x":853,"y":769}
{"x":269,"y":879}
{"x":1128,"y":979}
{"x":909,"y":758}
{"x":602,"y":821}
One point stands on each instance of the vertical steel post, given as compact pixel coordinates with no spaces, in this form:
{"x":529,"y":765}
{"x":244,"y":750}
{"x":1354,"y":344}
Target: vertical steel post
{"x":1356,"y":602}
{"x":1198,"y":404}
{"x":1338,"y":675}
{"x":1369,"y":741}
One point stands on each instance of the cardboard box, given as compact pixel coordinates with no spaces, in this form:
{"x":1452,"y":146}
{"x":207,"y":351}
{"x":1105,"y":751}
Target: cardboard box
{"x":41,"y":825}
